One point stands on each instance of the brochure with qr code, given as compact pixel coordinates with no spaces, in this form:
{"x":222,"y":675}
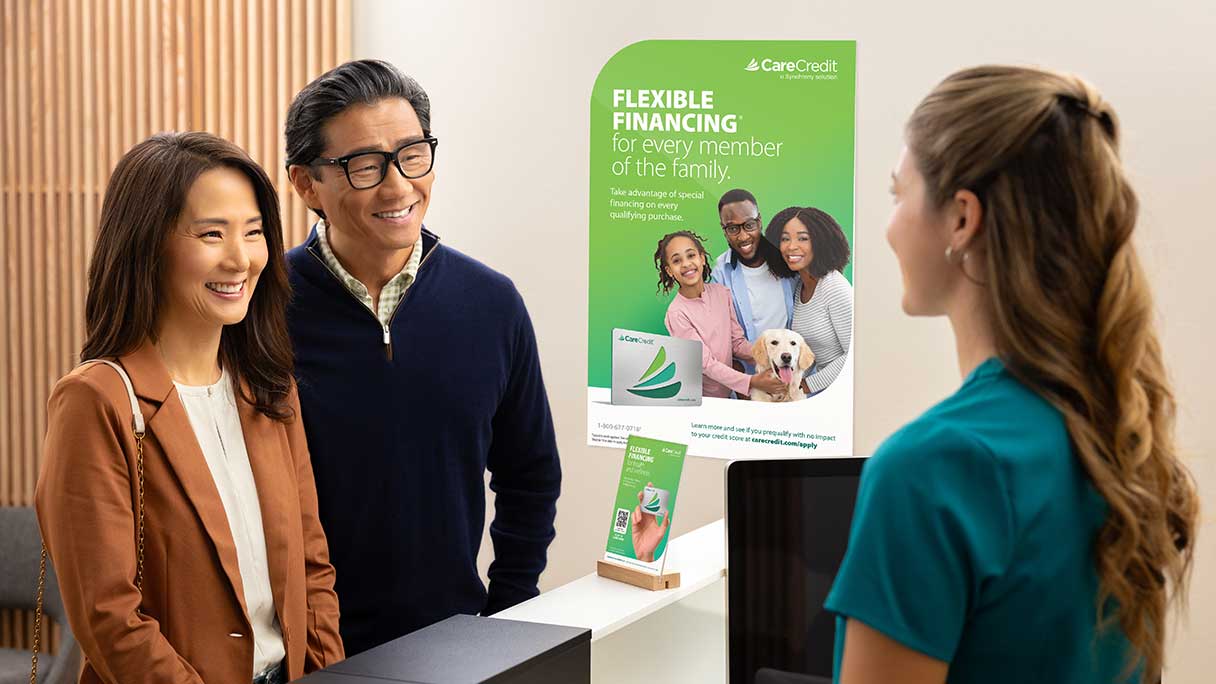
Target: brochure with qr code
{"x":645,"y":501}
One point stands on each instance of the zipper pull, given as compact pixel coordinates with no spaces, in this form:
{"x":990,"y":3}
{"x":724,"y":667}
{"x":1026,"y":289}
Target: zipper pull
{"x":387,"y":341}
{"x":388,"y":345}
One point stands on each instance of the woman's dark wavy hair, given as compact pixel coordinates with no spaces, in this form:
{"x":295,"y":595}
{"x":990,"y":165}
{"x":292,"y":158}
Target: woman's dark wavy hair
{"x":772,"y":257}
{"x":828,"y":242}
{"x":666,"y":282}
{"x":143,"y":200}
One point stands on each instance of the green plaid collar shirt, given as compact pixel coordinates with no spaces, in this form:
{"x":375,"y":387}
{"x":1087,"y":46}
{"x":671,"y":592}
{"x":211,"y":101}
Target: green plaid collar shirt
{"x":390,"y":294}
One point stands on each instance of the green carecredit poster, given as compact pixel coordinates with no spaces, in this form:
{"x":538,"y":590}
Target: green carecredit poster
{"x":675,"y":125}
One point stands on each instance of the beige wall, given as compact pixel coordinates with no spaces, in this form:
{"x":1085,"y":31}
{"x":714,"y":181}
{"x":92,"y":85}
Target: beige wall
{"x":501,"y":72}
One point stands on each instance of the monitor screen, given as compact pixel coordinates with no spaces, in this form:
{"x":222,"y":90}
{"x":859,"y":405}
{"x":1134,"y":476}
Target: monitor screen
{"x":787,"y":527}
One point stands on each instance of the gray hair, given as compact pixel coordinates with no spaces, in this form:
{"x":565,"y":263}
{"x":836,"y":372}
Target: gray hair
{"x":365,"y":81}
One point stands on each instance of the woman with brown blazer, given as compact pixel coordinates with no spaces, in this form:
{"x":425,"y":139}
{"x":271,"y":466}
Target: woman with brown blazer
{"x":192,"y":552}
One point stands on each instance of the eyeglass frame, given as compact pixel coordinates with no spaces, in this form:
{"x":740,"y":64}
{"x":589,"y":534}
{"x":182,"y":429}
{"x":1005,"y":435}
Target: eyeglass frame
{"x":389,"y":158}
{"x":742,"y":227}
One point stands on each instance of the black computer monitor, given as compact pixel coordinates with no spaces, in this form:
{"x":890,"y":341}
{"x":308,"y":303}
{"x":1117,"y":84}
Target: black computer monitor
{"x":787,"y":527}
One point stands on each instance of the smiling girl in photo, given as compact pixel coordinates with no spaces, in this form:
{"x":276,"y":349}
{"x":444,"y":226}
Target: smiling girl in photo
{"x":703,"y":311}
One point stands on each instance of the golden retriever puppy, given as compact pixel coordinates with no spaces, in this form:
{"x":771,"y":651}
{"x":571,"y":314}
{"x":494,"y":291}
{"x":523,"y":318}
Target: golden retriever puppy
{"x":788,"y":355}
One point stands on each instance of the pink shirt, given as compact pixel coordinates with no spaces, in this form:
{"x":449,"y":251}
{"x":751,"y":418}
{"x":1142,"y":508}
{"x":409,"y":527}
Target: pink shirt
{"x":710,"y":319}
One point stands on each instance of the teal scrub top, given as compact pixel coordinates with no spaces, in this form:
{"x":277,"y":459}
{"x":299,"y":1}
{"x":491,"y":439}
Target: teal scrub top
{"x":972,"y":542}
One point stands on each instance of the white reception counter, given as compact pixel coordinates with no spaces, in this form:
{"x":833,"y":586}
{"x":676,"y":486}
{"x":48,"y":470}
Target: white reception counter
{"x":677,"y":635}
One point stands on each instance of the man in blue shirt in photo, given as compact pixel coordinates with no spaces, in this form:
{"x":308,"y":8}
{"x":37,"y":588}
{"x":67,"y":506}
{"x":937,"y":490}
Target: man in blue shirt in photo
{"x":417,"y":369}
{"x":752,"y":269}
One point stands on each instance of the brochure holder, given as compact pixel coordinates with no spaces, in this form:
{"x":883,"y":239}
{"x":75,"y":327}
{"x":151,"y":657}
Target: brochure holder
{"x":645,"y":580}
{"x":645,"y":500}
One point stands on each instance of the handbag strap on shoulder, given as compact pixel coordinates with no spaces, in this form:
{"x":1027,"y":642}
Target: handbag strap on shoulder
{"x":137,"y":415}
{"x":138,"y":425}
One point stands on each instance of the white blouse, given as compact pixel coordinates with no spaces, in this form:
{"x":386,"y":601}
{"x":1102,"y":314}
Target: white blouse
{"x":217,"y":426}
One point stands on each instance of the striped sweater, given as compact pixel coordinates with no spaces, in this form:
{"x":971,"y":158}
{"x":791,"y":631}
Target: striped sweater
{"x":826,"y":323}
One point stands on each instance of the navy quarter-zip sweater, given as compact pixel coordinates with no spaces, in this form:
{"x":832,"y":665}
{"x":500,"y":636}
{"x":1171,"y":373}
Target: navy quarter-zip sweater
{"x":403,"y":424}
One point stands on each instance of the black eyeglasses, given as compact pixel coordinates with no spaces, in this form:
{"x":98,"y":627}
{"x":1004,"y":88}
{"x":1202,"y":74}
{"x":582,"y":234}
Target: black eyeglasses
{"x":751,"y":225}
{"x":366,"y":170}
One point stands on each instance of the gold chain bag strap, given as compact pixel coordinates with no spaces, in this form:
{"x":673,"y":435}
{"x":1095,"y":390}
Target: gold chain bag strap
{"x":138,"y":426}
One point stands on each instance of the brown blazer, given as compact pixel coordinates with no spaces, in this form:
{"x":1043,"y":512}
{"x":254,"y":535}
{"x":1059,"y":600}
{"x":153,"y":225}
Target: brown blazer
{"x":190,"y":623}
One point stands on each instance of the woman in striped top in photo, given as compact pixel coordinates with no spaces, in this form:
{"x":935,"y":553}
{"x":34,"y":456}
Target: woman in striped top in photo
{"x":816,"y":250}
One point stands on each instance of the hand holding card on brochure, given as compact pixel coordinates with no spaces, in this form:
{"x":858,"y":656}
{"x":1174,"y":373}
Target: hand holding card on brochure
{"x":641,"y":519}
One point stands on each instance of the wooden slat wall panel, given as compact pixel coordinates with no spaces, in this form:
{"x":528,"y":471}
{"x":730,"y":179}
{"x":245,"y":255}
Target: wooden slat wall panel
{"x":83,"y":81}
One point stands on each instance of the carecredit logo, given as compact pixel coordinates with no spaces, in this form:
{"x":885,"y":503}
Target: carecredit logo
{"x":802,"y":66}
{"x":651,"y":384}
{"x":652,"y":506}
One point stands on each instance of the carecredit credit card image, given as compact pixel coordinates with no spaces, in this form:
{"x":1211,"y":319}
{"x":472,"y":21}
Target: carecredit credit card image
{"x":655,"y":370}
{"x":654,"y":500}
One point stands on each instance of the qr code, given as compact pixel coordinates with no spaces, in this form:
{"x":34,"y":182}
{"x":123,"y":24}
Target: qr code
{"x":622,"y":521}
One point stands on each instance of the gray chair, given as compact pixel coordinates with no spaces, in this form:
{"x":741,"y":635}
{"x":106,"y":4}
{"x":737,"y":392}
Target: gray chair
{"x":20,"y":546}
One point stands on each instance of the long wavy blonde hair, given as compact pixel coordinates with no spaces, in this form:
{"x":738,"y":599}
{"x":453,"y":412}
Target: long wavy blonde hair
{"x":1072,"y":312}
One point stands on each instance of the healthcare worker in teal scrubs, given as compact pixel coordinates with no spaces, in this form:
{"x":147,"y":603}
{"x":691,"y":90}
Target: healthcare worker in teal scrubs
{"x":1036,"y":525}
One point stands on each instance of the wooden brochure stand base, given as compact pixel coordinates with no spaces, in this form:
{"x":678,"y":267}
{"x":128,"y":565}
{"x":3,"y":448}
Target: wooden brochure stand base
{"x":645,"y":580}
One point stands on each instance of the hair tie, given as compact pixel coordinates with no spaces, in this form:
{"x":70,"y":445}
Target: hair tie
{"x":1082,"y":106}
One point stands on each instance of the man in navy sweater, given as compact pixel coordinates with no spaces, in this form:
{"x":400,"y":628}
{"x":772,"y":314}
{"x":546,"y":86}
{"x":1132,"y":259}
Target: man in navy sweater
{"x":417,"y":370}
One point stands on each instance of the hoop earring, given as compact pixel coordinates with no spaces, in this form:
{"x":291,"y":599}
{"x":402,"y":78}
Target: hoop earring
{"x":949,"y":254}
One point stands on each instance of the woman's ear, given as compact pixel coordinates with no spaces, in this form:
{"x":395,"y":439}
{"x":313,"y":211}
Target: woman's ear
{"x":806,"y":357}
{"x":760,"y":354}
{"x":967,"y":219}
